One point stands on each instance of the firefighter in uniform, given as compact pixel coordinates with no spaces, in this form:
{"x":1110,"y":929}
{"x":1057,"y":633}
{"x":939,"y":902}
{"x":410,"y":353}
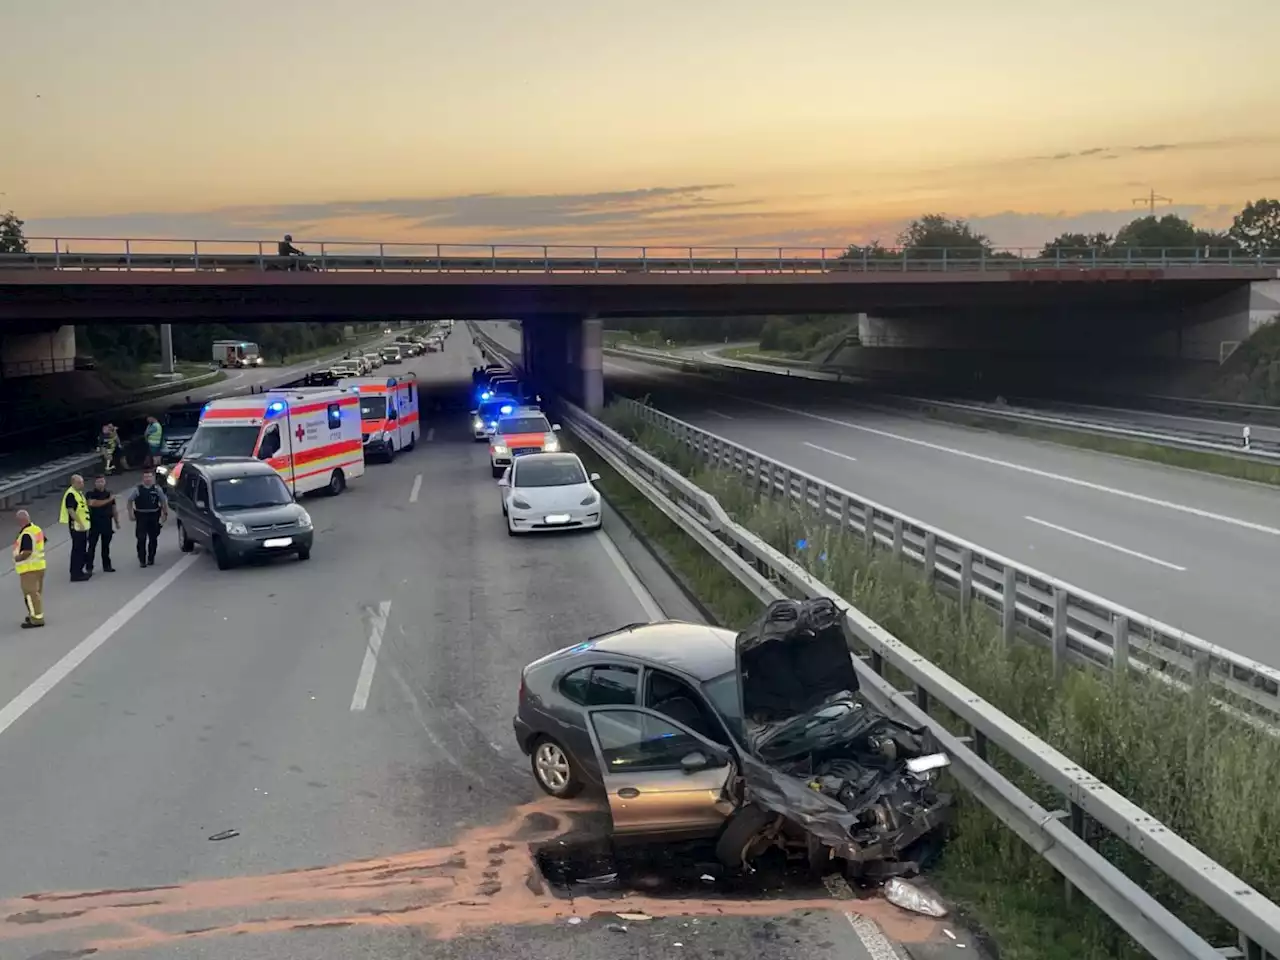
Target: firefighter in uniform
{"x":28,"y":561}
{"x":148,"y":509}
{"x":74,"y":512}
{"x":108,"y":443}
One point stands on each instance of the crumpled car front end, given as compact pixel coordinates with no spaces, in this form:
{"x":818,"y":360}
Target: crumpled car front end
{"x":826,"y":773}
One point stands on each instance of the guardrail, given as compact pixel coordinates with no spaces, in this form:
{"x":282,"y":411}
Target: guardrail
{"x":98,"y":253}
{"x":1260,"y":450}
{"x":19,"y":487}
{"x":1077,"y":625}
{"x":769,"y":575}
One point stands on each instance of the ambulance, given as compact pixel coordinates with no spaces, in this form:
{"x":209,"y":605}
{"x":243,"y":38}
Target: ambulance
{"x":311,"y":436}
{"x":388,"y":414}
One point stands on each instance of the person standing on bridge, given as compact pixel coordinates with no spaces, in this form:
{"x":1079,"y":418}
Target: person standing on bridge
{"x":28,"y":561}
{"x":155,"y":440}
{"x":148,"y":509}
{"x":74,"y":512}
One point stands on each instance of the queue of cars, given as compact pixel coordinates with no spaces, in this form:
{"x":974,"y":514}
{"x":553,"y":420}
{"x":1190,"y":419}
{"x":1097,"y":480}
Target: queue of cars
{"x":541,"y":487}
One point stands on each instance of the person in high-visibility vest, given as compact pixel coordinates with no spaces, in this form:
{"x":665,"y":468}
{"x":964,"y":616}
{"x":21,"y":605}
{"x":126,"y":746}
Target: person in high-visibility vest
{"x":74,"y":512}
{"x":28,"y":561}
{"x":155,"y":439}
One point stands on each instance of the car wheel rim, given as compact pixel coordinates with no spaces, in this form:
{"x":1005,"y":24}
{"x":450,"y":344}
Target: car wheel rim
{"x":553,"y":766}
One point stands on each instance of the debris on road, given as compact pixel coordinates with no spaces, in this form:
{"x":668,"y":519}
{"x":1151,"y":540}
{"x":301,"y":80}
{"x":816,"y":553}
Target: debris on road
{"x":908,"y":896}
{"x":225,"y":835}
{"x":634,"y":916}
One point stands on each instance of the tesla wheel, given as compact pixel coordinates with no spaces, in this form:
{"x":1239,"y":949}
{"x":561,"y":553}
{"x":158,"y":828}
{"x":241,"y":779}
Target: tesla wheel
{"x":184,"y":542}
{"x":553,"y":769}
{"x":742,"y":839}
{"x":337,"y":483}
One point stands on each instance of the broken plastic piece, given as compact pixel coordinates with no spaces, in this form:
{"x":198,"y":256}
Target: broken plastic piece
{"x":908,"y":896}
{"x":634,"y":916}
{"x":225,"y":835}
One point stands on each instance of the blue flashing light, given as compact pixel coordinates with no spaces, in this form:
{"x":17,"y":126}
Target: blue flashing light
{"x":506,"y":408}
{"x":274,"y":407}
{"x":486,"y":395}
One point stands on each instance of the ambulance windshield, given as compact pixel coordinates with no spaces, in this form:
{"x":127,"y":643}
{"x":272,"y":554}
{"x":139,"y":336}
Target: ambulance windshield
{"x":373,"y":408}
{"x":211,"y":441}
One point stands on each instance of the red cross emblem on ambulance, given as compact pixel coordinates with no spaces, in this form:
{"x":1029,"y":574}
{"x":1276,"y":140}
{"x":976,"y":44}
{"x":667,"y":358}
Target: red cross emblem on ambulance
{"x":299,"y":433}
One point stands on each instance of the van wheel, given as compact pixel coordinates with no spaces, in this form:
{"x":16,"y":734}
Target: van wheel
{"x":413,"y":441}
{"x":391,"y":452}
{"x":497,"y":471}
{"x":184,"y":542}
{"x":220,"y":554}
{"x":304,"y":553}
{"x":337,"y":483}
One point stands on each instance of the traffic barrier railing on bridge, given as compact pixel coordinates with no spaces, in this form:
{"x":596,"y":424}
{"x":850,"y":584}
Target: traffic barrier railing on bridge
{"x":111,"y":254}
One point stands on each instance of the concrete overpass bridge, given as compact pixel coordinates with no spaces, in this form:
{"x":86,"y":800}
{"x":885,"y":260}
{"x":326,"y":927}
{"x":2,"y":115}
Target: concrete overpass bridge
{"x":1175,"y":303}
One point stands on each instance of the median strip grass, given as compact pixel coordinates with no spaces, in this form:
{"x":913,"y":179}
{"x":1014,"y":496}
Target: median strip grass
{"x":1206,"y":461}
{"x":1208,"y":777}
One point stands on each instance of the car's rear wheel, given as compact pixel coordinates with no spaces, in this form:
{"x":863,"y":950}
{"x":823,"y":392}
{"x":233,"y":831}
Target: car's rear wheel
{"x":337,"y":483}
{"x":184,"y":542}
{"x":553,"y":769}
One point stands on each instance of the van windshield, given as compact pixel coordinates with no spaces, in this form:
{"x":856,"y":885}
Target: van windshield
{"x":373,"y":408}
{"x":211,"y":441}
{"x":513,"y":425}
{"x":248,"y":493}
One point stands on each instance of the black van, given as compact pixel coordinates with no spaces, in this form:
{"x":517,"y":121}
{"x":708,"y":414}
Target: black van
{"x":238,"y":508}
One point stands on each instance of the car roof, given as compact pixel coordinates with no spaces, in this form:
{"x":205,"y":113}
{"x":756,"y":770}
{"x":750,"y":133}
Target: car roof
{"x":221,"y":467}
{"x":548,"y":458}
{"x":701,"y":651}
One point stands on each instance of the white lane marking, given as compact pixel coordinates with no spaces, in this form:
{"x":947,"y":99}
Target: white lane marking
{"x":1105,"y":543}
{"x":431,"y":434}
{"x":81,"y":652}
{"x":1045,"y":474}
{"x":417,"y":489}
{"x":876,"y":943}
{"x":360,"y":699}
{"x":647,"y":603}
{"x":717,"y":413}
{"x":834,"y":453}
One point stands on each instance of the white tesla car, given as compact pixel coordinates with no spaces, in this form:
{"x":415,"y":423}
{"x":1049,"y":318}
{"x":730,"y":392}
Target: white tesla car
{"x":549,"y":491}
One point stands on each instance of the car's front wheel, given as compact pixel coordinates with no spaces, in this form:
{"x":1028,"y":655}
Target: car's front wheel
{"x":553,"y":769}
{"x":184,"y":542}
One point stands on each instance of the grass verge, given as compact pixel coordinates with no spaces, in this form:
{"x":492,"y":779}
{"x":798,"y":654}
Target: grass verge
{"x":1222,"y":464}
{"x":1207,"y":777}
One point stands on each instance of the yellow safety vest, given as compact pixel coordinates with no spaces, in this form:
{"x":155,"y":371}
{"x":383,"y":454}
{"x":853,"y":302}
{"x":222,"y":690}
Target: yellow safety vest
{"x":80,"y":521}
{"x":36,"y":560}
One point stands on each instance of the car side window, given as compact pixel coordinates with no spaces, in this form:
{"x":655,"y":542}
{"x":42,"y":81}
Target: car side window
{"x":632,"y":740}
{"x":673,"y":698}
{"x":574,"y":685}
{"x":270,"y":444}
{"x":612,"y":685}
{"x":201,"y":492}
{"x":187,"y":484}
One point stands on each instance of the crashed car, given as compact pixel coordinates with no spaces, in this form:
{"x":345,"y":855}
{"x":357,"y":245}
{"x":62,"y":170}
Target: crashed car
{"x":759,"y":740}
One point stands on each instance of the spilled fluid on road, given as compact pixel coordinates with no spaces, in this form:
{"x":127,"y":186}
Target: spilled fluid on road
{"x":547,"y":862}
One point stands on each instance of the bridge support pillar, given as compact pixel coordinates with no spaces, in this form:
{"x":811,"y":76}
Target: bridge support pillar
{"x":166,"y":348}
{"x":591,"y":365}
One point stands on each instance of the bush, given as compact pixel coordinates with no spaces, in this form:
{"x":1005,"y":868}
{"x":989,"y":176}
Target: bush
{"x":1210,"y":778}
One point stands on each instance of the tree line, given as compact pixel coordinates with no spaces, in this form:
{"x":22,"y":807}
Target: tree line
{"x":1254,"y":232}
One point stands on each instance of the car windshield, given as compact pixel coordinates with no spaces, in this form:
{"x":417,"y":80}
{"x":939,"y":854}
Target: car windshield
{"x":722,"y":691}
{"x":211,"y":441}
{"x":373,"y":408}
{"x":558,"y":472}
{"x":524,"y":425}
{"x":492,"y":409}
{"x":248,"y":493}
{"x":182,"y":419}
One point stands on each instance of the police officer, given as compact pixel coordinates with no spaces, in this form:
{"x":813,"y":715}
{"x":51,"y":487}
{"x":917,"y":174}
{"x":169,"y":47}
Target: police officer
{"x":155,"y":438}
{"x":148,"y":509}
{"x":28,"y":561}
{"x":74,"y":512}
{"x":104,"y":520}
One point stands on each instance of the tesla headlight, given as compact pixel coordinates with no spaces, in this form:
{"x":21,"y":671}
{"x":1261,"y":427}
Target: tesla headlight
{"x":552,"y":445}
{"x":589,"y":499}
{"x":304,"y":520}
{"x":237,"y":529}
{"x":519,"y":504}
{"x":500,"y":450}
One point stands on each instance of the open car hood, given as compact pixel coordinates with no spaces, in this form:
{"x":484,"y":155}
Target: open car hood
{"x":792,"y":659}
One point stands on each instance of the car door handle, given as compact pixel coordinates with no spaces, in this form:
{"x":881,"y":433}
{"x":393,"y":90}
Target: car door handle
{"x":628,"y":793}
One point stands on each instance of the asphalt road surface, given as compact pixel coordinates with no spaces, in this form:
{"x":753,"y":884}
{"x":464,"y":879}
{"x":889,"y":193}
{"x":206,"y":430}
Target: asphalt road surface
{"x":1193,"y":550}
{"x":192,"y":766}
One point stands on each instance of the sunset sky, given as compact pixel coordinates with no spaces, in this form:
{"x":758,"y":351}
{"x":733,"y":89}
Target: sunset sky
{"x":660,"y":122}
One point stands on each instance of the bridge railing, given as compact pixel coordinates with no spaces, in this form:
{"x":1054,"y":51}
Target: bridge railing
{"x":150,"y":254}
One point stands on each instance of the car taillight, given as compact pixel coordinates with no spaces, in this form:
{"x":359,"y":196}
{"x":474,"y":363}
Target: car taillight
{"x":523,"y":690}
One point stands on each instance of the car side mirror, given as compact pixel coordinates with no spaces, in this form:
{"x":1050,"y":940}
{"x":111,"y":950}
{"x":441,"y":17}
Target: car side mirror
{"x":555,"y":428}
{"x":504,"y":482}
{"x":695,"y":761}
{"x":594,"y":477}
{"x":475,"y":413}
{"x":200,"y":504}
